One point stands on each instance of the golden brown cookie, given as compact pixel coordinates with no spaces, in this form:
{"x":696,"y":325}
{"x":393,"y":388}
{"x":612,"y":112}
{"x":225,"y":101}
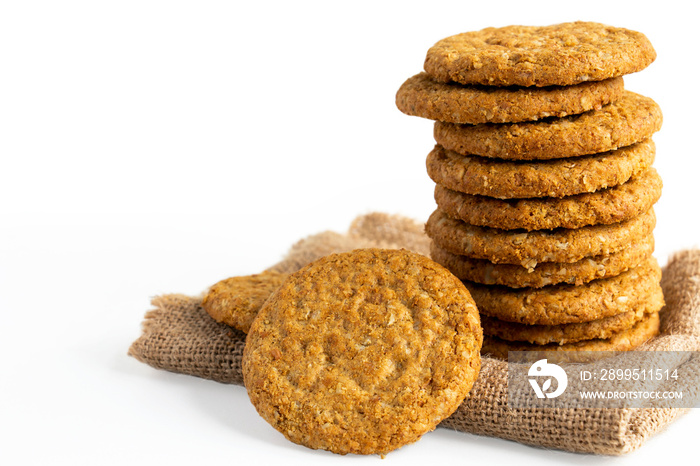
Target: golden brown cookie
{"x":530,"y":248}
{"x":545,"y":273}
{"x":569,"y":333}
{"x":504,"y":179}
{"x":632,"y":118}
{"x":560,"y":54}
{"x":363,"y":352}
{"x":237,"y":300}
{"x":611,"y":205}
{"x":566,"y":304}
{"x":625,"y":340}
{"x":422,"y":96}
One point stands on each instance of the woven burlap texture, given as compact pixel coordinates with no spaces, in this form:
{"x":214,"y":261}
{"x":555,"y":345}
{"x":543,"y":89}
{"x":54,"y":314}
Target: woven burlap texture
{"x":179,"y":336}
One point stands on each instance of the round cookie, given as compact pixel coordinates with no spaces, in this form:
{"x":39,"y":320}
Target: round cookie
{"x":566,"y":304}
{"x":569,"y":333}
{"x":546,"y":178}
{"x":530,"y":248}
{"x":625,"y":340}
{"x":363,"y":352}
{"x":630,"y":119}
{"x":545,"y":273}
{"x":560,"y":54}
{"x":424,"y":97}
{"x":611,"y":205}
{"x":236,"y":301}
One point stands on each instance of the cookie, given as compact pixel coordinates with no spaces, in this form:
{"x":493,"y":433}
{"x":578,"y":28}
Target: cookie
{"x":632,"y":118}
{"x":570,"y":333}
{"x":566,"y":304}
{"x":424,"y":97}
{"x":611,"y":205}
{"x":560,"y":54}
{"x":545,"y":273}
{"x":363,"y":352}
{"x":546,"y":178}
{"x":626,"y":340}
{"x":530,"y":248}
{"x":236,"y":301}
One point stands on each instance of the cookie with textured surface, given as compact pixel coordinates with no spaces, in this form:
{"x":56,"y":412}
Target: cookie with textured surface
{"x":566,"y":304}
{"x":545,"y":273}
{"x":528,"y":248}
{"x":363,"y":352}
{"x":504,"y":179}
{"x":632,"y":118}
{"x":560,"y":54}
{"x":607,"y":206}
{"x":422,"y":96}
{"x":236,"y":301}
{"x":569,"y":333}
{"x":624,"y":340}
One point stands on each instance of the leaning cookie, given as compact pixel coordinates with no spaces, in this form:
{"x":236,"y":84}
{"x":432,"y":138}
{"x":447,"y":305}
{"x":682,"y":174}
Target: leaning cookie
{"x":424,"y":97}
{"x":632,"y":118}
{"x":612,"y":205}
{"x":625,"y":340}
{"x":560,"y":54}
{"x":545,"y":273}
{"x":363,"y":352}
{"x":236,"y":301}
{"x":528,"y":248}
{"x":505,"y":179}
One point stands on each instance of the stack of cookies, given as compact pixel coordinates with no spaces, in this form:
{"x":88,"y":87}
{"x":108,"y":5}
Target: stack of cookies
{"x":545,"y":185}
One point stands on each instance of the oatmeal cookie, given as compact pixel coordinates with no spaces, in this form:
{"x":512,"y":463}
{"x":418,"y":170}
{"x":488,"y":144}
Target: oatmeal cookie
{"x":545,"y":273}
{"x":630,"y":119}
{"x":504,"y":179}
{"x":566,"y":304}
{"x":625,"y":340}
{"x":424,"y":97}
{"x":607,"y":206}
{"x":560,"y":54}
{"x":236,"y":301}
{"x":363,"y":352}
{"x":528,"y":248}
{"x":570,"y":333}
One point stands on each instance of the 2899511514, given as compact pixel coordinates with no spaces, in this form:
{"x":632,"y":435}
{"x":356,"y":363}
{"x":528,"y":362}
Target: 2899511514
{"x":630,"y":374}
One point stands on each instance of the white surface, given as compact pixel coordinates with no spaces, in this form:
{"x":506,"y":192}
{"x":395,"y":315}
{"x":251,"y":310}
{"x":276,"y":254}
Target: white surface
{"x":155,"y":147}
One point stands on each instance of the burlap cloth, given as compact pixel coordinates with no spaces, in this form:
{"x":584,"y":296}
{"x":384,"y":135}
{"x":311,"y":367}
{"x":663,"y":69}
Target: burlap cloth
{"x":179,"y":336}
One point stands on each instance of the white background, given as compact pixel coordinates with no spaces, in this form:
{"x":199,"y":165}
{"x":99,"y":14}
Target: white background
{"x":153,"y":147}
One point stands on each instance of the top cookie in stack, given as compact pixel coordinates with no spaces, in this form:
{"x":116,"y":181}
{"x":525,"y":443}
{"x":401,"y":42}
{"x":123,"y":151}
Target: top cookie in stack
{"x":544,"y":182}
